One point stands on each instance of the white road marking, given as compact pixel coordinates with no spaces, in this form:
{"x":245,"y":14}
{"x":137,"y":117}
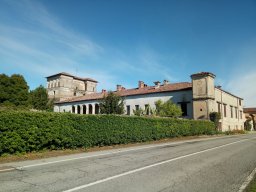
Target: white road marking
{"x":115,"y":152}
{"x":152,"y":165}
{"x":247,"y":181}
{"x":9,"y":169}
{"x":119,"y":151}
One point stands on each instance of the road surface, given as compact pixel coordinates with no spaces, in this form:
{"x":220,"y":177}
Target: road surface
{"x":205,"y":164}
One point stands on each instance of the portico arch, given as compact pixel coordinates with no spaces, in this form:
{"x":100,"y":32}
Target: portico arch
{"x":97,"y":108}
{"x":90,"y":108}
{"x":84,"y":109}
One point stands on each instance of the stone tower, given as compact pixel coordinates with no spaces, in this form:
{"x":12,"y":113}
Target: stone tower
{"x":203,"y":94}
{"x":63,"y":85}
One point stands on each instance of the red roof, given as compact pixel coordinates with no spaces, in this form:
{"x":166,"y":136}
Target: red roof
{"x":75,"y":77}
{"x":250,"y":110}
{"x":136,"y":91}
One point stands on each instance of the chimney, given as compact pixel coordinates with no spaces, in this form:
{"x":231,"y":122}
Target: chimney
{"x":103,"y":91}
{"x":166,"y":82}
{"x":141,"y":84}
{"x":118,"y":87}
{"x":123,"y":88}
{"x":157,"y":84}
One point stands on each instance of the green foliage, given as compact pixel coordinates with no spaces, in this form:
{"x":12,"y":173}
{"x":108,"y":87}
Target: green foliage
{"x":215,"y":118}
{"x":234,"y":132}
{"x":33,"y":131}
{"x":139,"y":112}
{"x":167,"y":109}
{"x":39,"y":99}
{"x":247,"y":125}
{"x":14,"y":90}
{"x":112,"y":104}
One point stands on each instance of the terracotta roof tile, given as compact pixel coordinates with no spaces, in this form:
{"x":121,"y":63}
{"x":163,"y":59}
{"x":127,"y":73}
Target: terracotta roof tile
{"x":250,"y":110}
{"x":135,"y":91}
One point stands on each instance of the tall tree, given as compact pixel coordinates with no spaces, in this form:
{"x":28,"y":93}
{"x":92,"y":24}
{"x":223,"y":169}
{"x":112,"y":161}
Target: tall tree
{"x":39,"y":99}
{"x":112,"y":104}
{"x":14,"y":90}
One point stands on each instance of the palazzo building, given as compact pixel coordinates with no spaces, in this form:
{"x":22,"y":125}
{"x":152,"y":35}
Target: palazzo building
{"x":197,"y":98}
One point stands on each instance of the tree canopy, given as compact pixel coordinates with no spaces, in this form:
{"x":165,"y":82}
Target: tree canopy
{"x":112,"y":104}
{"x":14,"y":90}
{"x":39,"y":99}
{"x":15,"y":94}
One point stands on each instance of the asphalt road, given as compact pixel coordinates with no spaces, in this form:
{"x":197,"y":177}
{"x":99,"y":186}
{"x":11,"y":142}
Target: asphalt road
{"x":216,"y":164}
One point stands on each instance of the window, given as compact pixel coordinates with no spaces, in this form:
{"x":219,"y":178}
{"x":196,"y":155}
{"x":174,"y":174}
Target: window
{"x":137,"y":107}
{"x":240,"y":102}
{"x":241,"y":114}
{"x":219,"y":107}
{"x":236,"y":112}
{"x":231,"y":111}
{"x":225,"y":110}
{"x":73,"y":109}
{"x":184,"y":108}
{"x":128,"y":110}
{"x":147,"y":109}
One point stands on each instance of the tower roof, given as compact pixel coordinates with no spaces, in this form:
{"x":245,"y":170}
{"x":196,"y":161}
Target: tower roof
{"x":75,"y":77}
{"x":202,"y":74}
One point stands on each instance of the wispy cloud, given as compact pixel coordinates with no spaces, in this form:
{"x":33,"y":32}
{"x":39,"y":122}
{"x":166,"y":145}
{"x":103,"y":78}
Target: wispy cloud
{"x":36,"y":42}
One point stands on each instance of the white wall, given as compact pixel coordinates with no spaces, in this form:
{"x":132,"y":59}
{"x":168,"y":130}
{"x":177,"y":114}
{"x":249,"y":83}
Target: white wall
{"x":141,"y":100}
{"x":228,"y":122}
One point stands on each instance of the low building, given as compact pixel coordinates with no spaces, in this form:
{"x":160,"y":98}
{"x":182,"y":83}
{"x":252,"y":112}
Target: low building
{"x":197,"y":100}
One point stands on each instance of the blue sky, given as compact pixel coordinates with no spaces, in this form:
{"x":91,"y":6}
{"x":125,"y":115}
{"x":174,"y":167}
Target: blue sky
{"x":123,"y":41}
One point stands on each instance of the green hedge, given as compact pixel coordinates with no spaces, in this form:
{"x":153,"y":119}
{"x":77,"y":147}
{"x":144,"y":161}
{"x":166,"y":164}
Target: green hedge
{"x":34,"y":131}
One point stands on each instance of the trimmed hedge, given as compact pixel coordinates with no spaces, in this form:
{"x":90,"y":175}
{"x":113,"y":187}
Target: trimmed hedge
{"x":34,"y":131}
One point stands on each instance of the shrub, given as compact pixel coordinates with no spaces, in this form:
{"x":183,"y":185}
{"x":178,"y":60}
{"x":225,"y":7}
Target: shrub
{"x":34,"y":131}
{"x":234,"y":132}
{"x":215,"y":118}
{"x":167,"y":109}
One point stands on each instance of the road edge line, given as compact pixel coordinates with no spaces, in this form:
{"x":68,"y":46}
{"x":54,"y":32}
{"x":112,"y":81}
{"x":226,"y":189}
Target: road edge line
{"x":247,"y":181}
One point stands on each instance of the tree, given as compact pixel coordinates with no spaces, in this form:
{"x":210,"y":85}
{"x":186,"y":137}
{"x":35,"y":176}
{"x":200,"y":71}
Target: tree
{"x":167,"y":109}
{"x":14,"y":90}
{"x":39,"y":99}
{"x":215,"y":118}
{"x":112,"y":104}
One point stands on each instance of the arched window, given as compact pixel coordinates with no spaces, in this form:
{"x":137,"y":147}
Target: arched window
{"x":84,"y":109}
{"x":78,"y":109}
{"x":73,"y":109}
{"x":90,"y":109}
{"x":97,"y":109}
